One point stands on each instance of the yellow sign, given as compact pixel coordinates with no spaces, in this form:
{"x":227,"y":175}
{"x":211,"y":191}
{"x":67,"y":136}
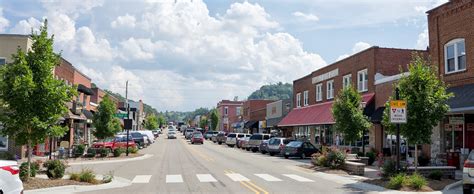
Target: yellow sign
{"x":398,"y":104}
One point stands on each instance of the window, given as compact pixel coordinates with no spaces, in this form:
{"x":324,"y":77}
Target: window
{"x":3,"y":61}
{"x":305,"y":96}
{"x":330,"y":89}
{"x":3,"y":141}
{"x":298,"y":100}
{"x":346,"y":80}
{"x":238,"y":110}
{"x":362,"y":81}
{"x":455,"y":56}
{"x":319,"y":92}
{"x":225,"y":110}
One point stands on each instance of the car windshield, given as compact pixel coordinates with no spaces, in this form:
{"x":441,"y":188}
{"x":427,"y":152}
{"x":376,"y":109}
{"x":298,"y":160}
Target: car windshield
{"x":294,"y":144}
{"x":274,"y":142}
{"x":240,"y":135}
{"x":256,"y":137}
{"x":231,"y":135}
{"x":197,"y":135}
{"x":137,"y":135}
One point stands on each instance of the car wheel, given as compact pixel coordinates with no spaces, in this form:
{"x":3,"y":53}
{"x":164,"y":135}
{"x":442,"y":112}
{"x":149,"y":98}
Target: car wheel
{"x":467,"y":189}
{"x":254,"y":150}
{"x":192,"y":142}
{"x":286,"y":157}
{"x":248,"y":149}
{"x":231,"y":146}
{"x":303,"y":156}
{"x":220,"y":143}
{"x":272,"y":154}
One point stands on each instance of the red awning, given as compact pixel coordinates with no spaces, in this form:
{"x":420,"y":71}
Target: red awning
{"x":317,"y":114}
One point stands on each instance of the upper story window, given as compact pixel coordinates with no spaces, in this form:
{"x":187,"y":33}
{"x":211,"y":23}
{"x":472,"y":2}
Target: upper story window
{"x":319,"y":92}
{"x":346,"y":80}
{"x":237,"y":111}
{"x":298,"y":100}
{"x":226,"y":109}
{"x":362,"y":81}
{"x":455,"y":56}
{"x":3,"y":61}
{"x":305,"y":97}
{"x":330,"y":89}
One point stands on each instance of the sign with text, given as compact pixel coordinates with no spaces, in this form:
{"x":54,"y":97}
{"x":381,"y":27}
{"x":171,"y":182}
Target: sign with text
{"x":398,"y":111}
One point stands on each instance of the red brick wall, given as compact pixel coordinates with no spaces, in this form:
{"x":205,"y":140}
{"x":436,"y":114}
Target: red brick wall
{"x":231,"y":112}
{"x":64,"y":71}
{"x":80,"y":78}
{"x":445,"y":23}
{"x":251,"y":106}
{"x":383,"y":92}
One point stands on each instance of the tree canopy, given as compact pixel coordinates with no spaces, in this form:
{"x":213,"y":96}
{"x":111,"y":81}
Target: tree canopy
{"x":214,"y":119}
{"x":277,"y":91}
{"x":104,"y":121}
{"x":151,"y":122}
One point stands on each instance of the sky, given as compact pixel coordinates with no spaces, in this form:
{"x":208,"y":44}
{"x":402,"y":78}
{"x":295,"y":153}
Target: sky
{"x":184,"y":54}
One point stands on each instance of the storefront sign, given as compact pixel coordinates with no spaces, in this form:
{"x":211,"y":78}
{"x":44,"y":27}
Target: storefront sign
{"x":262,"y":124}
{"x":449,"y":127}
{"x":456,"y":120}
{"x":470,"y":127}
{"x":398,"y":111}
{"x":325,"y":76}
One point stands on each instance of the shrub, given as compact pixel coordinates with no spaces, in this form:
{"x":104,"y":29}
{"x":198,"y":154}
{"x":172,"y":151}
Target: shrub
{"x":79,"y":151}
{"x":74,"y":176}
{"x":24,"y":171}
{"x":91,"y":152}
{"x":415,"y":181}
{"x":314,"y":158}
{"x":54,"y":169}
{"x":118,"y":152}
{"x":335,"y":158}
{"x":104,"y":152}
{"x":389,"y":168}
{"x":396,"y":182}
{"x":371,"y":156}
{"x":133,"y":150}
{"x":88,"y":176}
{"x":108,"y":177}
{"x":436,"y":175}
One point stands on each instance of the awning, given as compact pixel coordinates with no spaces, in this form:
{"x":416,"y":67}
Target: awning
{"x":378,"y":115}
{"x":88,"y":115}
{"x":317,"y":114}
{"x":251,"y":124}
{"x":273,"y":122}
{"x":85,"y":90}
{"x":463,"y":99}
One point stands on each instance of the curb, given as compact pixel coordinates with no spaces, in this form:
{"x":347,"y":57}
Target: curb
{"x":146,"y":156}
{"x":117,"y":182}
{"x":451,"y":186}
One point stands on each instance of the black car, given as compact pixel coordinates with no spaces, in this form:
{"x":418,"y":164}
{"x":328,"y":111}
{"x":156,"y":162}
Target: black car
{"x":139,"y":139}
{"x":299,"y":149}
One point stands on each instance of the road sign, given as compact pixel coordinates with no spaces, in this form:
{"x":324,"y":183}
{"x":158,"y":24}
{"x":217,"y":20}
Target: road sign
{"x":398,"y":111}
{"x":121,"y":115}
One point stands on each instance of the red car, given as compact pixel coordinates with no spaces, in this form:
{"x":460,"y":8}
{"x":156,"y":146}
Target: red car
{"x":115,"y":142}
{"x":197,"y":138}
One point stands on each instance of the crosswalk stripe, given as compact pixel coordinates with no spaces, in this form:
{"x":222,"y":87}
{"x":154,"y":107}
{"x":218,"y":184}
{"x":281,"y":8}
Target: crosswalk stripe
{"x":205,"y":178}
{"x":237,"y":177}
{"x":297,"y":178}
{"x":268,"y":177}
{"x":141,"y":179}
{"x":174,"y":178}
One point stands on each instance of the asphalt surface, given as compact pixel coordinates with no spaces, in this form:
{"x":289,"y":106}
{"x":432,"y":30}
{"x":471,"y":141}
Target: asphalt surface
{"x":180,"y":167}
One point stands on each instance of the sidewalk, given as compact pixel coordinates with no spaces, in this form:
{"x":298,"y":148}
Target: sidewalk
{"x":73,"y":161}
{"x":117,"y":182}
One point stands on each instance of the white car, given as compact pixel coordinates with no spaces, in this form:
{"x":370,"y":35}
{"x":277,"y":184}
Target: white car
{"x":468,"y":174}
{"x":171,"y":135}
{"x":231,"y":139}
{"x":149,"y":134}
{"x":10,"y":182}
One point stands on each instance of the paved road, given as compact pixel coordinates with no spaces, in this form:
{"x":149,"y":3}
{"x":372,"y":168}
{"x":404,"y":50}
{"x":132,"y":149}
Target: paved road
{"x":179,"y":167}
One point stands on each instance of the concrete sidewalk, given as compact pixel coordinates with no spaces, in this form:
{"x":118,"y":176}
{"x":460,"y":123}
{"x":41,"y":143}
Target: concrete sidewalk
{"x":117,"y":182}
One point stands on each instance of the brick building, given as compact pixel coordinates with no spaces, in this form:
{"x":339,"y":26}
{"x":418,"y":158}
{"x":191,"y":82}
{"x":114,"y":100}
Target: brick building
{"x":97,"y":97}
{"x":230,"y":113}
{"x":451,"y":47}
{"x":370,"y":72}
{"x":254,"y":113}
{"x":276,"y":111}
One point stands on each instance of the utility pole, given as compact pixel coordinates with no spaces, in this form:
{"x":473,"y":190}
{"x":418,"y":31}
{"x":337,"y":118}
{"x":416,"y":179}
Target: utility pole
{"x":128,"y":113}
{"x":397,"y":97}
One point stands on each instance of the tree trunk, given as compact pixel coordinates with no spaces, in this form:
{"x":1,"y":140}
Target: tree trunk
{"x":363,"y":142}
{"x":28,"y":147}
{"x":416,"y":157}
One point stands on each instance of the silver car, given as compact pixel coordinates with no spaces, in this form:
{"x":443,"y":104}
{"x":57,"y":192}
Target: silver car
{"x":171,"y":135}
{"x":231,"y":139}
{"x":468,"y":174}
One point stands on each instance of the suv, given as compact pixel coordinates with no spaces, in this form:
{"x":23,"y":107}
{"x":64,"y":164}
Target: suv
{"x":468,"y":174}
{"x":276,"y":145}
{"x":188,"y":133}
{"x":231,"y":139}
{"x":255,"y":141}
{"x":139,"y":139}
{"x":240,"y":137}
{"x":221,"y":137}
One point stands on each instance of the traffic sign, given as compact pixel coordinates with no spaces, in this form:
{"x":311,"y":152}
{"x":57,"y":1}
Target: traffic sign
{"x":398,"y":111}
{"x":121,"y":115}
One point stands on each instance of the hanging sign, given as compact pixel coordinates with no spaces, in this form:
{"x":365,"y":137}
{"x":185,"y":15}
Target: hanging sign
{"x":398,"y":111}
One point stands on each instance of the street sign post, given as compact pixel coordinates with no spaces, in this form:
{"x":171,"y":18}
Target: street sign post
{"x":398,"y":111}
{"x":121,"y":115}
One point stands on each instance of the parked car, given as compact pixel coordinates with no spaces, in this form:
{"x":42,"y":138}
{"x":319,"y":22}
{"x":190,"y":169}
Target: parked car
{"x":244,"y":142}
{"x":197,"y":138}
{"x":156,"y":133}
{"x":468,"y":174}
{"x":10,"y":182}
{"x":255,"y":141}
{"x":139,"y":139}
{"x":119,"y":141}
{"x":299,"y":149}
{"x":147,"y":140}
{"x":231,"y":139}
{"x":200,"y":130}
{"x":149,"y":134}
{"x":240,"y":136}
{"x":276,"y":145}
{"x":263,"y":147}
{"x":214,"y":137}
{"x":171,"y":134}
{"x":209,"y":134}
{"x":188,"y":133}
{"x":221,"y":137}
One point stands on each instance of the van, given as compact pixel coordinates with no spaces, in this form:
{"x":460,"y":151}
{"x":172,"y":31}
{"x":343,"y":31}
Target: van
{"x":255,"y":141}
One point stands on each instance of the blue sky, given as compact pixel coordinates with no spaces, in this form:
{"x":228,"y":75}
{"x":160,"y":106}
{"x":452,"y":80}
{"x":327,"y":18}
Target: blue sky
{"x":185,"y":54}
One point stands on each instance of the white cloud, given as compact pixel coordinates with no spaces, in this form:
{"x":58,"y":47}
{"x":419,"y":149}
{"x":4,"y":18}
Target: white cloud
{"x":308,"y":17}
{"x":142,"y":49}
{"x":124,"y":21}
{"x":422,"y":41}
{"x":4,"y":23}
{"x":91,"y":48}
{"x":359,"y":46}
{"x":26,"y":26}
{"x":62,"y":26}
{"x":71,"y":8}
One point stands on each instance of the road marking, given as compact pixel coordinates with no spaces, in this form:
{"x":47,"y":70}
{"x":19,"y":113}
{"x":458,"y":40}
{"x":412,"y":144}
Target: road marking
{"x":268,"y":177}
{"x":141,"y":179}
{"x":297,"y":178}
{"x":237,"y":177}
{"x":257,"y":187}
{"x":249,"y":187}
{"x":176,"y":178}
{"x":205,"y":178}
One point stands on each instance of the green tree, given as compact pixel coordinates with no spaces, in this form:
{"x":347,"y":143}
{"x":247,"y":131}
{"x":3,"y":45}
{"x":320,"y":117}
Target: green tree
{"x":214,"y":119}
{"x":33,"y":99}
{"x":151,"y":122}
{"x":203,"y":122}
{"x":104,"y":121}
{"x":161,"y":120}
{"x":426,"y":98}
{"x":349,"y":115}
{"x":273,"y":92}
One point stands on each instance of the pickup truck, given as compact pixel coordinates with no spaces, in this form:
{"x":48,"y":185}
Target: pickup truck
{"x":115,"y":142}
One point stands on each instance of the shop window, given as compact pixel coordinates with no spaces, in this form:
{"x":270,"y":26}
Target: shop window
{"x":330,"y":89}
{"x":305,"y":97}
{"x":455,"y":56}
{"x":298,"y":100}
{"x":3,"y":61}
{"x":237,"y":111}
{"x":226,"y":110}
{"x":319,"y":92}
{"x":362,"y":81}
{"x":346,"y":80}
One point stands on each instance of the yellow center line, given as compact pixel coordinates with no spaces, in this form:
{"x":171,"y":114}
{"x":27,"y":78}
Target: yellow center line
{"x":249,"y":184}
{"x":249,"y":187}
{"x":259,"y":188}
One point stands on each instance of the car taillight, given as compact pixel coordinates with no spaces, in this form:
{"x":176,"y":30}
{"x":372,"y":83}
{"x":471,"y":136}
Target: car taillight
{"x":12,"y":169}
{"x":468,"y":164}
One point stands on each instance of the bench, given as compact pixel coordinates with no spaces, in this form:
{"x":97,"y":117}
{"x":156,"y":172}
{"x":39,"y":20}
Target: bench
{"x":355,"y":168}
{"x":448,"y":171}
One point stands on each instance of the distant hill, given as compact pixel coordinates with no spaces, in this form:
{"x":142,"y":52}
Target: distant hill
{"x":146,"y":108}
{"x":273,"y":92}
